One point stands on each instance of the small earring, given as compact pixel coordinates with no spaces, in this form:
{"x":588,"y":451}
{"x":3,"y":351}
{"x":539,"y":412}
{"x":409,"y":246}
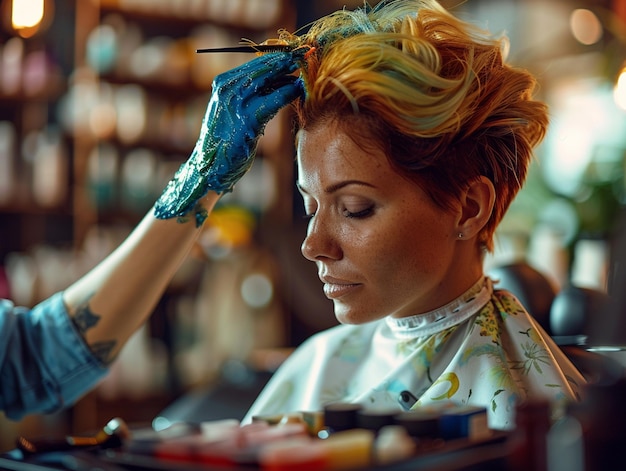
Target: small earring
{"x":460,"y":235}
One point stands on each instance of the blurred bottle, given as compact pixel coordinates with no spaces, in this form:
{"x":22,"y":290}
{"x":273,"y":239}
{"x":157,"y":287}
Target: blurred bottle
{"x":131,"y":110}
{"x":138,"y":173}
{"x":602,"y":418}
{"x":528,"y":443}
{"x":102,"y":169}
{"x":11,"y":62}
{"x":102,"y":47}
{"x":50,"y":170}
{"x":566,"y":445}
{"x":8,"y":139}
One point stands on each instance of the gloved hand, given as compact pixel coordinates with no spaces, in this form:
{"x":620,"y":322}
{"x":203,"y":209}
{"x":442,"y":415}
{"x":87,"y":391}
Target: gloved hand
{"x":242,"y":102}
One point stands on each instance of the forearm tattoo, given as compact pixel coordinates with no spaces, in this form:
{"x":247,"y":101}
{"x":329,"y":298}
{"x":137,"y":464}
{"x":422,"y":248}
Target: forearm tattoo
{"x":84,"y":319}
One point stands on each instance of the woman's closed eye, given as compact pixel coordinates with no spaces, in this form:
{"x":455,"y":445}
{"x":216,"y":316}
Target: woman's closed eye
{"x":359,"y":214}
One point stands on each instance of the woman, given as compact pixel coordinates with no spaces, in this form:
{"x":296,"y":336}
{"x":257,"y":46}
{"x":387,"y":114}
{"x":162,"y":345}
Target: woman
{"x":414,"y":137}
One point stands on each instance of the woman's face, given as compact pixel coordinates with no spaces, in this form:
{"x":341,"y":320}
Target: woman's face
{"x":381,"y":246}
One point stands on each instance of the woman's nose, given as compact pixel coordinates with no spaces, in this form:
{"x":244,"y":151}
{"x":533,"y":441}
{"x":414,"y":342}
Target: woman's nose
{"x":319,"y":243}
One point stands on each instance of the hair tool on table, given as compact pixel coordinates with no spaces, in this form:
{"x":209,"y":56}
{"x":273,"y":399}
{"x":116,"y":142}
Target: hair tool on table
{"x":110,"y":436}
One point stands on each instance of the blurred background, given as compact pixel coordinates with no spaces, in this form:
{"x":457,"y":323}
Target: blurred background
{"x":101,"y":101}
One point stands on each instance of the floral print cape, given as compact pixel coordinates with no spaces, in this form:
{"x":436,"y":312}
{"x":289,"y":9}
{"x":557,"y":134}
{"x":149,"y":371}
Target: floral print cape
{"x":483,"y":349}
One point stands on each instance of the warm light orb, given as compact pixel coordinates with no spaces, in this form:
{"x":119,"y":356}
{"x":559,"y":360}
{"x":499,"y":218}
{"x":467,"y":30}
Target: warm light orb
{"x":26,"y":18}
{"x":585,"y":26}
{"x":619,"y":92}
{"x":26,"y":13}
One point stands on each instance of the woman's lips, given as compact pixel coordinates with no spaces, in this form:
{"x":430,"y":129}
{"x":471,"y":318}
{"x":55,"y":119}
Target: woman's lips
{"x":336,"y":290}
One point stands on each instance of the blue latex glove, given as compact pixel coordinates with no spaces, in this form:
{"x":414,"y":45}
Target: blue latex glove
{"x":242,"y":102}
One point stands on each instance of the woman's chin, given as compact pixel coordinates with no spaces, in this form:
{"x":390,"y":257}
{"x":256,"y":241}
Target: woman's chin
{"x":353,"y":317}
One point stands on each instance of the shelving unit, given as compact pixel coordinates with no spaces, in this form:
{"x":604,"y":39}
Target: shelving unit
{"x":175,"y":96}
{"x":153,"y":45}
{"x":81,"y":102}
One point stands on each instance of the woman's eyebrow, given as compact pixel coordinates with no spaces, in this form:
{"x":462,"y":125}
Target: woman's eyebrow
{"x":338,"y":186}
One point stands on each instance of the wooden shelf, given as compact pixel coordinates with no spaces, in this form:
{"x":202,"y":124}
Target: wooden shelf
{"x":48,"y":94}
{"x":172,"y":91}
{"x":173,"y":17}
{"x":25,"y":208}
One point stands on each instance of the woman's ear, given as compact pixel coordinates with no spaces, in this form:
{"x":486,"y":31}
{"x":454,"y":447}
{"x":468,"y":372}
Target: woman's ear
{"x":476,"y":207}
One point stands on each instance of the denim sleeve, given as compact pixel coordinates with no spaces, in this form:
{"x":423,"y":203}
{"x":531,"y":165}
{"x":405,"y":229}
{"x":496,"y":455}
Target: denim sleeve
{"x":45,"y":364}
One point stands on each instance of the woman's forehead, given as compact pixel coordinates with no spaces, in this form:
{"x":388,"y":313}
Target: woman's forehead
{"x":327,"y":153}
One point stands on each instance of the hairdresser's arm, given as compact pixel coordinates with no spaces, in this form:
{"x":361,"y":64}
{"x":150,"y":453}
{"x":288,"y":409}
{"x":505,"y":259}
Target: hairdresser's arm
{"x":51,"y":355}
{"x":115,"y":298}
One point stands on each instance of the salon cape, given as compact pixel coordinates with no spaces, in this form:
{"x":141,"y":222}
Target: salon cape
{"x":44,"y":363}
{"x":483,"y":349}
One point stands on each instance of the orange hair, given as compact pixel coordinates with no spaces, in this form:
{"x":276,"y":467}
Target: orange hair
{"x":432,"y":91}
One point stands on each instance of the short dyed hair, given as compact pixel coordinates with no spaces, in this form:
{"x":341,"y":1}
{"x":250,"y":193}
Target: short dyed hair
{"x":432,"y":91}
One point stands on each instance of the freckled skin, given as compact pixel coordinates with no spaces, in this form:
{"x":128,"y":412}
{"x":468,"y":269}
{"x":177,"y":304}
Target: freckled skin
{"x":403,"y":257}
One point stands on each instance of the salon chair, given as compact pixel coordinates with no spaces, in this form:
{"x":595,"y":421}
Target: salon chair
{"x":569,"y":316}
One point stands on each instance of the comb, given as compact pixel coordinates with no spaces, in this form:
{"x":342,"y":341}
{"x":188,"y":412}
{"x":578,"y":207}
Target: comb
{"x":249,"y":48}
